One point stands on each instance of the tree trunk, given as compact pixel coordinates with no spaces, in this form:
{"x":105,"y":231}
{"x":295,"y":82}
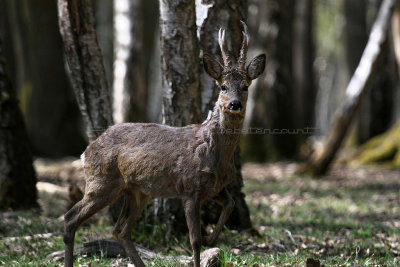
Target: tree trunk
{"x":181,"y":89}
{"x":271,"y":99}
{"x":356,"y":36}
{"x":213,"y":15}
{"x":303,"y":60}
{"x":41,"y":81}
{"x":320,"y":160}
{"x":85,"y":64}
{"x":260,"y":103}
{"x":179,"y":50}
{"x":376,"y":109}
{"x":129,"y":88}
{"x":104,"y":16}
{"x":6,"y":34}
{"x":152,"y":55}
{"x":17,"y":175}
{"x":385,"y":148}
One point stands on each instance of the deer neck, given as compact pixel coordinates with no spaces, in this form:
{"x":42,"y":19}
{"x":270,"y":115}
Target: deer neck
{"x":223,"y":132}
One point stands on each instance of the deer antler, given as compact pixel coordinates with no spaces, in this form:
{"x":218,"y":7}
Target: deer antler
{"x":243,"y":51}
{"x":224,"y":50}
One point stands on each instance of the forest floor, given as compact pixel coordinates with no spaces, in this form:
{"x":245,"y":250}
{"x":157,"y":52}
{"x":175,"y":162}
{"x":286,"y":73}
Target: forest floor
{"x":351,"y":217}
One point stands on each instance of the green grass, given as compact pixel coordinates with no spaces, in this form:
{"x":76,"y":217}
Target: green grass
{"x":340,"y":221}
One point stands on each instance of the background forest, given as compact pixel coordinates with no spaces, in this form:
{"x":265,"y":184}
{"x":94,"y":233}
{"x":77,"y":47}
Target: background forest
{"x":317,"y":171}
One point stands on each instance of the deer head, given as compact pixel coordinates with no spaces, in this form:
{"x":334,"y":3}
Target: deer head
{"x":233,"y":80}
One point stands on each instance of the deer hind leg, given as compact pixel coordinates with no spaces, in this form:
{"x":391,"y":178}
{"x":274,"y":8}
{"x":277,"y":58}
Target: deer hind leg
{"x":134,"y":203}
{"x":97,"y":196}
{"x":225,"y":200}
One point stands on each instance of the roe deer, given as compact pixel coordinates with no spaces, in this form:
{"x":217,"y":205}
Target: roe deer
{"x":193,"y":163}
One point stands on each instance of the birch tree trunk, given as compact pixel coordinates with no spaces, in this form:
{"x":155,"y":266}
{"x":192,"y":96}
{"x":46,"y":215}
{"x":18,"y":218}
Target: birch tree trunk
{"x":385,"y":148}
{"x":85,"y":64}
{"x":211,"y":16}
{"x":321,"y":159}
{"x":180,"y":56}
{"x":17,"y":175}
{"x":181,"y":88}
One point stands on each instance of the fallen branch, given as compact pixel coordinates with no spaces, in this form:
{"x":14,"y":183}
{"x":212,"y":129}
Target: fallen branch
{"x":111,"y":248}
{"x":320,"y":160}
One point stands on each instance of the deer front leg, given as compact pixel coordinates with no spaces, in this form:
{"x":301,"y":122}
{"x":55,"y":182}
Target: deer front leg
{"x":225,"y":200}
{"x":192,"y":213}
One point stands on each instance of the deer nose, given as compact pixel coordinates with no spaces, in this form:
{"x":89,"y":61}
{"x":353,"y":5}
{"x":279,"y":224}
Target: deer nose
{"x":235,"y":105}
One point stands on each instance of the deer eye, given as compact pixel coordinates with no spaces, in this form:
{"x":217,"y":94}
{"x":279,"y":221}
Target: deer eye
{"x":224,"y":88}
{"x":245,"y":88}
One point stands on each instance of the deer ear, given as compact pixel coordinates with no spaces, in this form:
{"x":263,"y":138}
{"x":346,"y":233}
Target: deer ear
{"x":256,"y":66}
{"x":212,"y":67}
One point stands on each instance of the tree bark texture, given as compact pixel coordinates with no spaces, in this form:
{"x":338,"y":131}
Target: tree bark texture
{"x":40,"y":79}
{"x":180,"y":63}
{"x":85,"y":64}
{"x":320,"y":160}
{"x":17,"y":175}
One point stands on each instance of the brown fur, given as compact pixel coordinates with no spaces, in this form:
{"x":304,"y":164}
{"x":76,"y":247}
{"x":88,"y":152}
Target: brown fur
{"x":144,"y":160}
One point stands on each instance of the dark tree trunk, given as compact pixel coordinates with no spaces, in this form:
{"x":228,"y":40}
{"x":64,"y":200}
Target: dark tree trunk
{"x":283,"y":118}
{"x":151,"y":54}
{"x":17,"y":175}
{"x":6,"y":34}
{"x":272,"y":98}
{"x":261,"y":104}
{"x":104,"y":16}
{"x":41,"y":81}
{"x":227,"y":15}
{"x":356,"y":36}
{"x":85,"y":64}
{"x":321,"y":159}
{"x":355,"y":32}
{"x":303,"y":59}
